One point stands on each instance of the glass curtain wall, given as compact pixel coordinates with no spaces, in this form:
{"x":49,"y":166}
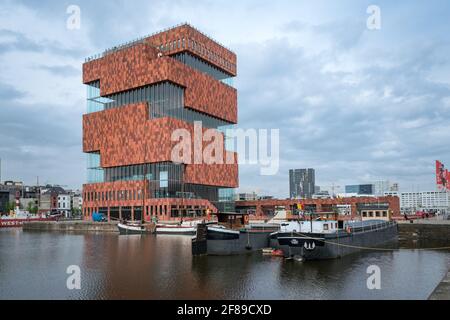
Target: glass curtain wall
{"x":95,"y":172}
{"x":165,"y":99}
{"x":203,"y":66}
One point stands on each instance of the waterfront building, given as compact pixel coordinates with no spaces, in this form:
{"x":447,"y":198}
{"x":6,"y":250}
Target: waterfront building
{"x":424,"y":200}
{"x":76,"y":202}
{"x":4,"y":200}
{"x":138,"y":95}
{"x":301,"y":183}
{"x":25,"y":203}
{"x":246,"y":196}
{"x":350,"y":206}
{"x":379,"y":187}
{"x":364,"y":189}
{"x":64,"y":204}
{"x":394,"y":187}
{"x":321,"y":195}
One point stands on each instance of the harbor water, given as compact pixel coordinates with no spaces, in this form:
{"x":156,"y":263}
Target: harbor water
{"x":33,"y":265}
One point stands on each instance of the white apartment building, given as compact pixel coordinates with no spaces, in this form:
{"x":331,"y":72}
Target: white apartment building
{"x":437,"y":200}
{"x":424,"y":200}
{"x":64,"y":204}
{"x":246,"y":196}
{"x":77,"y":202}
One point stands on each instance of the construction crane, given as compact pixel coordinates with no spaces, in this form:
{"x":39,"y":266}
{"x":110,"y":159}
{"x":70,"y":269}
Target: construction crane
{"x":333,"y":187}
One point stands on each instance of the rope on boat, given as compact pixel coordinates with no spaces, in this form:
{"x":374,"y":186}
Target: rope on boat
{"x":371,"y":248}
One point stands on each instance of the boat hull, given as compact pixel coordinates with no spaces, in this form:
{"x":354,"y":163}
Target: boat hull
{"x":328,"y":246}
{"x":134,"y":229}
{"x":176,"y":230}
{"x":246,"y":241}
{"x":18,"y":223}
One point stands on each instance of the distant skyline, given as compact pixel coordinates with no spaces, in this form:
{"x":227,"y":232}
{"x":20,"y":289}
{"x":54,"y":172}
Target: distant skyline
{"x":357,"y":105}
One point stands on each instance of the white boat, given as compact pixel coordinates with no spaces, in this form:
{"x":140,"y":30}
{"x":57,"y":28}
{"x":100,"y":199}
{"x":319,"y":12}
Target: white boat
{"x":183,"y":228}
{"x":136,"y":228}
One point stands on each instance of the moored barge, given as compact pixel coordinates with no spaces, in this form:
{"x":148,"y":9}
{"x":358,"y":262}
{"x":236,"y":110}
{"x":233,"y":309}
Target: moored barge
{"x":317,"y":240}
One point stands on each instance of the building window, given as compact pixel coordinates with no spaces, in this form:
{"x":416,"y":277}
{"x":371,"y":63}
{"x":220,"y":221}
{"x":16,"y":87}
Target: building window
{"x":95,"y":173}
{"x":164,"y":179}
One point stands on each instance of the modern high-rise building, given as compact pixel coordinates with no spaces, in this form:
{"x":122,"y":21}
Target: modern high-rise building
{"x":301,"y":183}
{"x":360,"y":188}
{"x":143,"y":99}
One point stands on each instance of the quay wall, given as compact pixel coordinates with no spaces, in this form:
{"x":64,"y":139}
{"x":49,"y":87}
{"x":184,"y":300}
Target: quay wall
{"x":429,"y":231}
{"x":442,"y":291}
{"x":71,"y":226}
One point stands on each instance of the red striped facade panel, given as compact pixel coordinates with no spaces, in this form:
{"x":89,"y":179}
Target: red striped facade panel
{"x":140,"y":65}
{"x":126,"y":136}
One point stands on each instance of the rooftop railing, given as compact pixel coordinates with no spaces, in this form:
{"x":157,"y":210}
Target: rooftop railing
{"x":141,"y":39}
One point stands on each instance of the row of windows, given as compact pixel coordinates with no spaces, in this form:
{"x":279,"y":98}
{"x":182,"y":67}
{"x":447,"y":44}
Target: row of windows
{"x":200,"y":65}
{"x":125,"y":212}
{"x":332,"y":225}
{"x":165,"y":99}
{"x":188,"y":191}
{"x":113,"y":195}
{"x":158,"y":172}
{"x":373,"y":214}
{"x":198,"y":48}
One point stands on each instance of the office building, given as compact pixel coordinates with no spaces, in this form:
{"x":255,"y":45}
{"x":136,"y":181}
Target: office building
{"x":365,"y":189}
{"x":301,"y":183}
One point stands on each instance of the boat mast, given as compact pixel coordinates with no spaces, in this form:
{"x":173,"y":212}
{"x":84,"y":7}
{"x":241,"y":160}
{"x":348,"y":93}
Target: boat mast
{"x":144,"y":184}
{"x":144,"y":180}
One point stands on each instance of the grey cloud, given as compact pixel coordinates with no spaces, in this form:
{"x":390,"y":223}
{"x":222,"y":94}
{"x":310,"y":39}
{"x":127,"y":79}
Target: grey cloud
{"x":346,"y":139}
{"x":339,"y":122}
{"x":65,"y":70}
{"x":20,"y":42}
{"x":8,"y":93}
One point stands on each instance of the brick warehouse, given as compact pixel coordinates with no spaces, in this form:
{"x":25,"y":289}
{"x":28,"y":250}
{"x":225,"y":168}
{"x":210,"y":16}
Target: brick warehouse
{"x":137,"y":95}
{"x":265,"y":208}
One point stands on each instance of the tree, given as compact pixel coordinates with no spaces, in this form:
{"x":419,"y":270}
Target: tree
{"x":32,"y":208}
{"x":10,"y":206}
{"x":76,"y":211}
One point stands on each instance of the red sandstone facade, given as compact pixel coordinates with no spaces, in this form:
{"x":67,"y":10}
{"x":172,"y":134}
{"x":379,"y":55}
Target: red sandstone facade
{"x":125,"y":136}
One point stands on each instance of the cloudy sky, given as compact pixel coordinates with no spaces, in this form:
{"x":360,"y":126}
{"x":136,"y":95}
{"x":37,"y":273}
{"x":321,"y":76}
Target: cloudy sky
{"x":358,"y":105}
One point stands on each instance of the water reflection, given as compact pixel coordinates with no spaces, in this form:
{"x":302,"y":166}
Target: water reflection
{"x":33,"y":265}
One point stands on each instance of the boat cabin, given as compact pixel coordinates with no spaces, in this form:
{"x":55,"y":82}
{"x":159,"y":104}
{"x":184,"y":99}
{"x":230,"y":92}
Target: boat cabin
{"x":232,"y":219}
{"x":315,"y":226}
